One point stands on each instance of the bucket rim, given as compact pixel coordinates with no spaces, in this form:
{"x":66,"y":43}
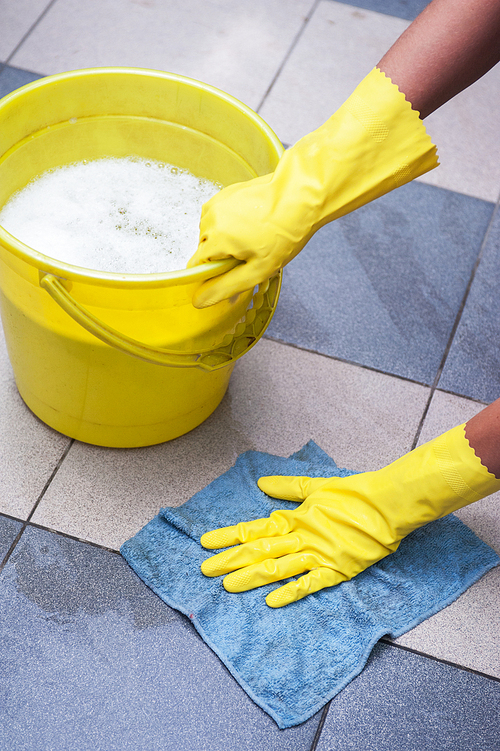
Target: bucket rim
{"x":75,"y":273}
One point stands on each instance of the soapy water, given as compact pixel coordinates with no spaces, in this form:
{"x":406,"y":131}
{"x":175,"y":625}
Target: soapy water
{"x":125,"y":215}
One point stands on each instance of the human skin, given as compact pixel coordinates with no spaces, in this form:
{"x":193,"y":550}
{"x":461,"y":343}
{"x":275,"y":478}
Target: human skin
{"x":448,"y":47}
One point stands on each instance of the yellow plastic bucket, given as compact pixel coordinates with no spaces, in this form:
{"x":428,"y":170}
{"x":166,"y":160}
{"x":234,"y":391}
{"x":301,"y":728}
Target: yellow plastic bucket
{"x":125,"y":360}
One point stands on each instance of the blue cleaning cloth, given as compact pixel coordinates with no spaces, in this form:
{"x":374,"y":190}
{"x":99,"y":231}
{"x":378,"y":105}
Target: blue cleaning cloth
{"x":292,"y":660}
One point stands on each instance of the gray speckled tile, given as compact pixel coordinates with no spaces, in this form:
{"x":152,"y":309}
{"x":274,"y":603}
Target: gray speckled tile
{"x":9,"y":528}
{"x":13,"y":78}
{"x":467,"y":631}
{"x":29,"y":450}
{"x":234,"y":45}
{"x":410,"y":703}
{"x":278,"y":399}
{"x":93,"y":660}
{"x":473,"y":364}
{"x":382,"y":286}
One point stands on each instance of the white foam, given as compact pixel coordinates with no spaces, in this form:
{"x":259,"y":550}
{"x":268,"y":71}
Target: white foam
{"x":127,"y":215}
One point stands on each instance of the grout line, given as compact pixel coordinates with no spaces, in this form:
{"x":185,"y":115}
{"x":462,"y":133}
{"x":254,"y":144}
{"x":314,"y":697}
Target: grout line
{"x":319,"y":729}
{"x":45,"y":528}
{"x":12,"y":518}
{"x":479,"y":402}
{"x":36,"y":504}
{"x":12,"y":547}
{"x":49,"y":481}
{"x":423,"y":417}
{"x":305,"y":22}
{"x":370,"y":368}
{"x":74,"y":538}
{"x":26,"y":35}
{"x":456,"y":323}
{"x":457,"y":665}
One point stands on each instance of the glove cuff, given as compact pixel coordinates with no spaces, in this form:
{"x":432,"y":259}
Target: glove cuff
{"x":388,"y":117}
{"x":374,"y":143}
{"x":432,"y":481}
{"x":394,"y":146}
{"x":461,"y":469}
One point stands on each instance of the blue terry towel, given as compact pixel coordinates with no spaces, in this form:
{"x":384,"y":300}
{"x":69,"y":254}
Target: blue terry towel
{"x":292,"y":660}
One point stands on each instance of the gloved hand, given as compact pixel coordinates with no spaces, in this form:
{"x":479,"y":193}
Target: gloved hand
{"x":374,"y":143}
{"x":343,"y":525}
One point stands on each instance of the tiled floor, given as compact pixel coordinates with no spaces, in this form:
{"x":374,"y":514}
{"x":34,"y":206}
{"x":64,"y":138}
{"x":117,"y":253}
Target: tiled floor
{"x":386,"y":334}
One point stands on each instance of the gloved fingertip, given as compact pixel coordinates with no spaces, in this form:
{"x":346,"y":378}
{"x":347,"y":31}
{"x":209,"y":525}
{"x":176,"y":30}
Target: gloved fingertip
{"x":198,"y":258}
{"x":238,"y":581}
{"x":206,"y":541}
{"x":212,"y":540}
{"x":209,"y":569}
{"x":216,"y":565}
{"x":203,"y":299}
{"x":219,"y":538}
{"x":269,"y":484}
{"x":282,"y":486}
{"x":281,"y":597}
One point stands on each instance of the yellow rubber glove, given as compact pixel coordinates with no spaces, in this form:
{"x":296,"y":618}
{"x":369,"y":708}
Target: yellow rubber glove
{"x":344,"y":525}
{"x":374,"y":143}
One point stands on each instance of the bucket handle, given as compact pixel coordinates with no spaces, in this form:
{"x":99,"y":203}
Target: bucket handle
{"x":233,"y":346}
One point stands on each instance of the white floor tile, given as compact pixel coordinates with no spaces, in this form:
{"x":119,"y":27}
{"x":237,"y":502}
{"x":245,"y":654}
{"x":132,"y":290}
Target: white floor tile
{"x":466,"y":131}
{"x":16,"y":20}
{"x":29,"y":450}
{"x":445,"y":412}
{"x":339,"y":46}
{"x":234,"y":45}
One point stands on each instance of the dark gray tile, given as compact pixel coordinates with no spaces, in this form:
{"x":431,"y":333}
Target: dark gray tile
{"x":13,"y":78}
{"x":8,"y":531}
{"x":408,"y":9}
{"x":382,"y":286}
{"x":410,"y":703}
{"x":472,"y":367}
{"x":92,"y":659}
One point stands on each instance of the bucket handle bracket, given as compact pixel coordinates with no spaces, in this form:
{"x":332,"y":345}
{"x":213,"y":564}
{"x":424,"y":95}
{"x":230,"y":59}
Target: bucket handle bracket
{"x":233,"y":346}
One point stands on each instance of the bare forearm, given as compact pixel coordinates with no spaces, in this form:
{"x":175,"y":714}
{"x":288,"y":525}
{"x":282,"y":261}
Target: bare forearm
{"x":450,"y":45}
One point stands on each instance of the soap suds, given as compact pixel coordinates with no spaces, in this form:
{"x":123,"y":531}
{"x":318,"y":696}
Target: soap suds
{"x":128,"y":215}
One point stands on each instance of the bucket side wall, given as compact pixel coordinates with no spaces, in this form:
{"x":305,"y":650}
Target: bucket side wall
{"x":74,"y":382}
